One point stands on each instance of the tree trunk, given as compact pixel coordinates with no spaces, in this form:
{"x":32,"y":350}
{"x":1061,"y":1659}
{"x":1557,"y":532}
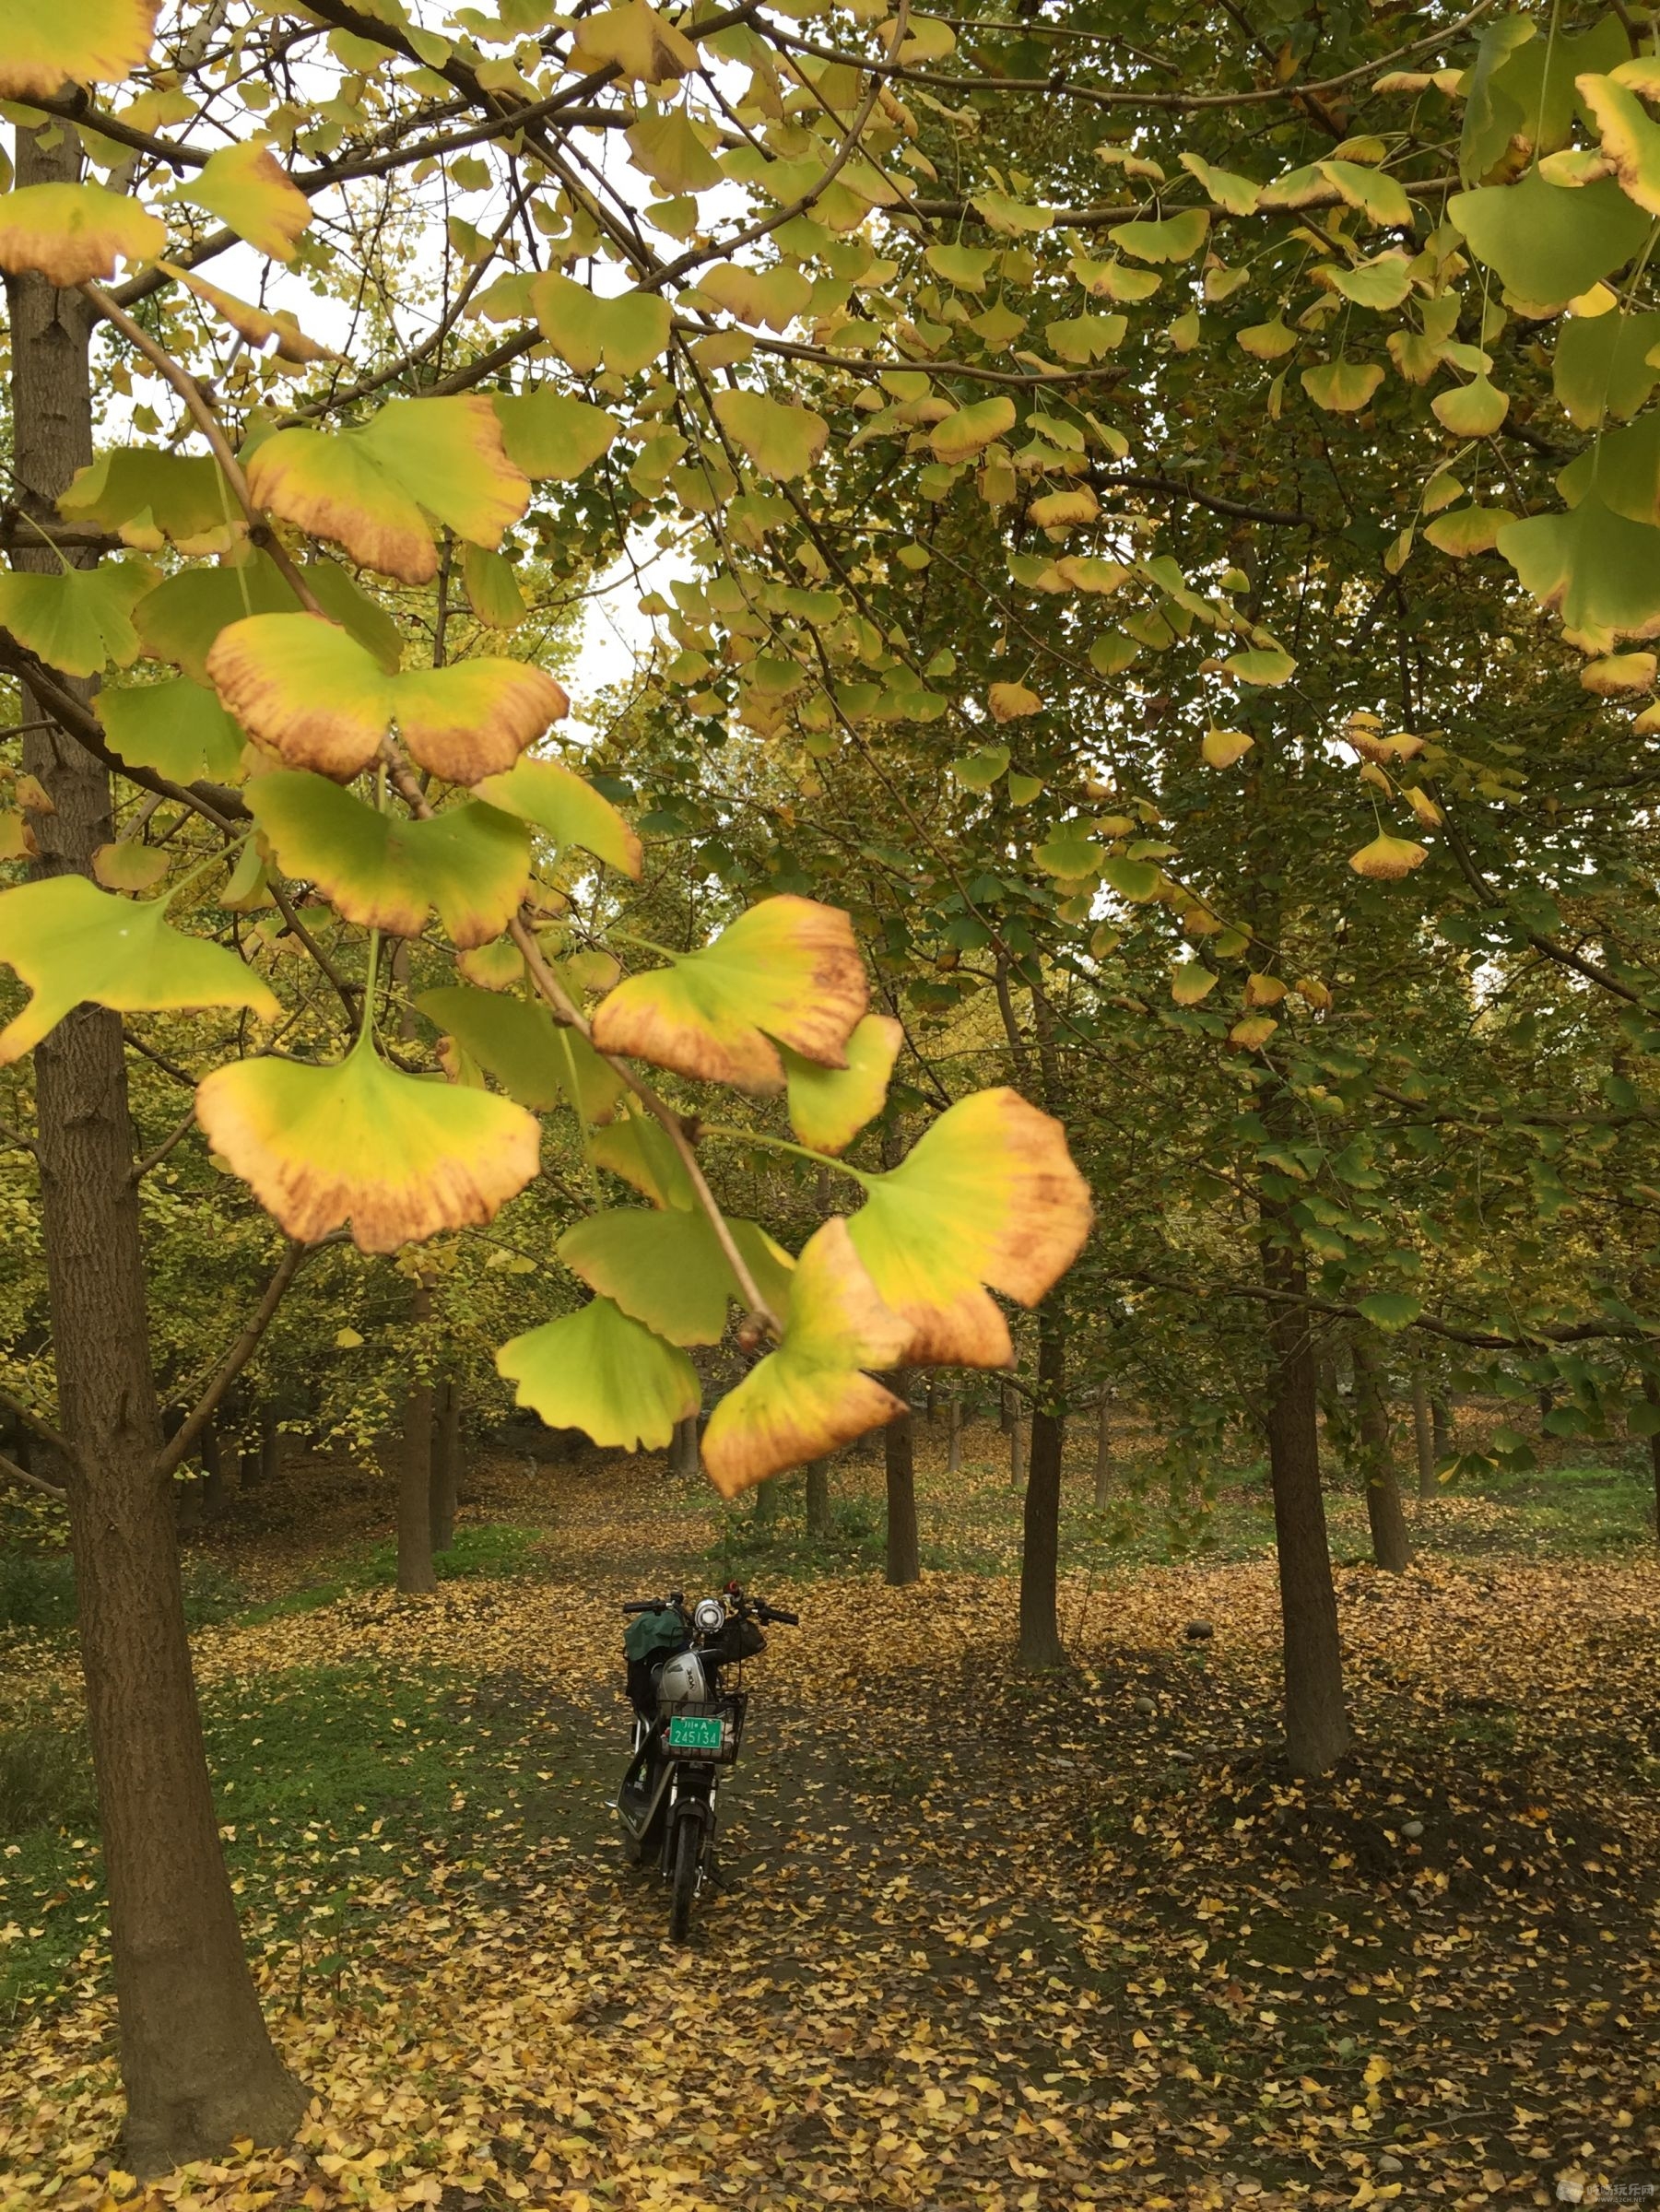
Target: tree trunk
{"x":196,"y":2062}
{"x":819,"y":1522}
{"x":765,"y":1502}
{"x":1017,"y":1452}
{"x":904,"y":1563}
{"x":1103,"y":1452}
{"x":683,"y":1454}
{"x":1651,"y":1391}
{"x":446,"y":1463}
{"x":271,"y":1446}
{"x":1441,"y":1429}
{"x":1316,"y":1717}
{"x":954,"y":1435}
{"x":1007,"y":1419}
{"x":1422,"y":1440}
{"x":1390,"y":1546}
{"x":213,"y":1469}
{"x":1041,"y":1544}
{"x":187,"y":1501}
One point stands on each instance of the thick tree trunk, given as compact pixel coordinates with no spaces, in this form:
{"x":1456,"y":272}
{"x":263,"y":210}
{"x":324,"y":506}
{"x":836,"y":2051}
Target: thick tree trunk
{"x":213,"y":1469}
{"x":187,"y":1502}
{"x":904,"y":1562}
{"x":1103,"y":1452}
{"x":1441,"y":1428}
{"x":271,"y":1446}
{"x":765,"y":1502}
{"x":1017,"y":1452}
{"x":1423,"y":1441}
{"x":1316,"y":1716}
{"x":1651,"y":1391}
{"x":819,"y":1522}
{"x":416,"y":1577}
{"x":446,"y":1463}
{"x":1390,"y":1546}
{"x":196,"y":2062}
{"x":954,"y":1435}
{"x":1041,"y":1543}
{"x":683,"y":1454}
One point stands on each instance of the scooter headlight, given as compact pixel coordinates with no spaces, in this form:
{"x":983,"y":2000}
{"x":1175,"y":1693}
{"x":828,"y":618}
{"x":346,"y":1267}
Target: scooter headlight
{"x":710,"y":1617}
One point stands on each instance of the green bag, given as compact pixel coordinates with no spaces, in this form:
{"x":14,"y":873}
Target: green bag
{"x":649,"y":1633}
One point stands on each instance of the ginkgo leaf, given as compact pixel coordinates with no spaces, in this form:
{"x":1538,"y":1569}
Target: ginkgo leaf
{"x":396,"y":1156}
{"x":387,"y":872}
{"x":1252,"y":1032}
{"x":491,"y":584}
{"x":1268,"y":665}
{"x":971,"y":430}
{"x":786,"y":972}
{"x":979,"y":772}
{"x":636,"y":41}
{"x":1616,"y":673}
{"x":260,"y":327}
{"x":128,"y":865}
{"x":967,"y":267}
{"x":1012,"y":702}
{"x":811,"y":1395}
{"x":311,"y":693}
{"x":1221,"y":749}
{"x":1601,"y":365}
{"x":1387,"y":859}
{"x":637,"y":1149}
{"x":69,"y":941}
{"x":1342,"y":387}
{"x":625,"y":332}
{"x":180,"y":620}
{"x":597,"y":1370}
{"x":78,"y":41}
{"x":988,"y":1197}
{"x":1630,"y":140}
{"x":1191,"y":981}
{"x":1599,"y":570}
{"x":1466,"y":530}
{"x":1550,"y":243}
{"x":665,"y":1268}
{"x":1060,"y":510}
{"x":1178,"y":238}
{"x":665,"y":147}
{"x":1265,"y":341}
{"x":782,"y":441}
{"x":1473,"y":410}
{"x":566,"y":808}
{"x":81,"y":619}
{"x":828,"y":1106}
{"x":175,"y":727}
{"x":151,"y":498}
{"x":68,"y":233}
{"x":252,"y":194}
{"x":372,"y":489}
{"x":551,"y":435}
{"x":535,"y":1061}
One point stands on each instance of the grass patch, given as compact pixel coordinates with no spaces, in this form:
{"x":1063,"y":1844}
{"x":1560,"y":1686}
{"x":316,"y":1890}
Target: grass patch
{"x":37,"y":1590}
{"x":497,"y":1551}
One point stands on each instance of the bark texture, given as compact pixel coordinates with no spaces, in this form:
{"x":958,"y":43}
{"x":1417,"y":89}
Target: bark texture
{"x":904,"y":1560}
{"x":819,"y":1499}
{"x":1317,"y":1715}
{"x":416,"y":1576}
{"x":197,"y":2066}
{"x":1422,"y":1437}
{"x":446,"y":1486}
{"x":1391,"y":1547}
{"x":1040,"y":1552}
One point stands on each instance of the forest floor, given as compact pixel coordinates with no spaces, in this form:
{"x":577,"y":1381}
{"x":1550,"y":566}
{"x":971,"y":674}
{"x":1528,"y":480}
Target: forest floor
{"x":987,"y":1944}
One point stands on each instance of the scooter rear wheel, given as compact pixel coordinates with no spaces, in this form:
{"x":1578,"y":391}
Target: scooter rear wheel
{"x":688,"y":1850}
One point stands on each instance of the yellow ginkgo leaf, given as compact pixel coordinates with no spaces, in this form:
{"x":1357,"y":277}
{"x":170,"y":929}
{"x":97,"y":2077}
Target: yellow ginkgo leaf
{"x":69,"y":942}
{"x":811,"y":1395}
{"x":624,"y":332}
{"x":1012,"y":702}
{"x":782,"y":441}
{"x":1191,"y":981}
{"x":566,"y":808}
{"x":828,"y":1106}
{"x":129,"y":865}
{"x":397,"y":1157}
{"x":1221,"y":749}
{"x":306,"y":688}
{"x":74,"y":41}
{"x":252,"y":194}
{"x":636,"y":41}
{"x":372,"y":489}
{"x":1060,"y":509}
{"x":989,"y":1196}
{"x":1264,"y":990}
{"x":597,"y":1370}
{"x":258,"y":326}
{"x":786,"y":972}
{"x":971,"y":430}
{"x":68,"y":233}
{"x":1251,"y":1034}
{"x":1387,"y":858}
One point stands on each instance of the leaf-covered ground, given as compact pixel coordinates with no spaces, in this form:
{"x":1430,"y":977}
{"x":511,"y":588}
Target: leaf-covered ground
{"x":985,"y":1943}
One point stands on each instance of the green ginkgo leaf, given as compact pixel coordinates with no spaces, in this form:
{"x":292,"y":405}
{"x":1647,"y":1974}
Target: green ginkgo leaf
{"x":1178,"y":238}
{"x":665,"y":147}
{"x":1382,"y":283}
{"x":551,"y":435}
{"x":70,"y":942}
{"x":1342,"y":387}
{"x":252,"y":194}
{"x":80,"y":620}
{"x":180,"y":619}
{"x":1598,"y":569}
{"x":782,"y":441}
{"x":372,"y":489}
{"x":1390,"y":1309}
{"x":1268,"y":665}
{"x":812,"y":1394}
{"x":175,"y":727}
{"x":1623,"y":468}
{"x":967,"y":267}
{"x":788,"y":971}
{"x":960,"y":436}
{"x":1265,"y":341}
{"x":1371,"y":192}
{"x":399,"y":1156}
{"x":491,"y":584}
{"x":387,"y":872}
{"x":150,"y":498}
{"x":1548,"y":243}
{"x":1601,"y":366}
{"x":665,"y":1268}
{"x":532,"y":1058}
{"x":625,"y":334}
{"x":828,"y":1106}
{"x":1136,"y":880}
{"x":1472,"y":410}
{"x":307,"y":689}
{"x":989,"y":1196}
{"x":637,"y":1149}
{"x":94,"y":42}
{"x":566,"y":808}
{"x":597,"y":1370}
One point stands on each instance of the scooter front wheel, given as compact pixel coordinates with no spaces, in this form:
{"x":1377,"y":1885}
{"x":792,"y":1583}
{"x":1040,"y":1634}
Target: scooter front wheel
{"x":689,"y":1850}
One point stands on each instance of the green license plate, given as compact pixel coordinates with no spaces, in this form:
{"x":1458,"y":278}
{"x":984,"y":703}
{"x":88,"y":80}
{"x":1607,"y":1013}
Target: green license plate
{"x":691,"y":1732}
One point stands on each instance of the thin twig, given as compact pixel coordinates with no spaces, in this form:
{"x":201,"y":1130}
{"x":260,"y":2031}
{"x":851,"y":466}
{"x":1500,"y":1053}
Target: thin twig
{"x":141,"y":1168}
{"x":14,"y":1473}
{"x":241,"y":1352}
{"x":20,"y":1411}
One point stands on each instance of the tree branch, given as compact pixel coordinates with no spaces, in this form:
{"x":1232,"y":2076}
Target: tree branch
{"x":241,"y":1352}
{"x":12,"y":1472}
